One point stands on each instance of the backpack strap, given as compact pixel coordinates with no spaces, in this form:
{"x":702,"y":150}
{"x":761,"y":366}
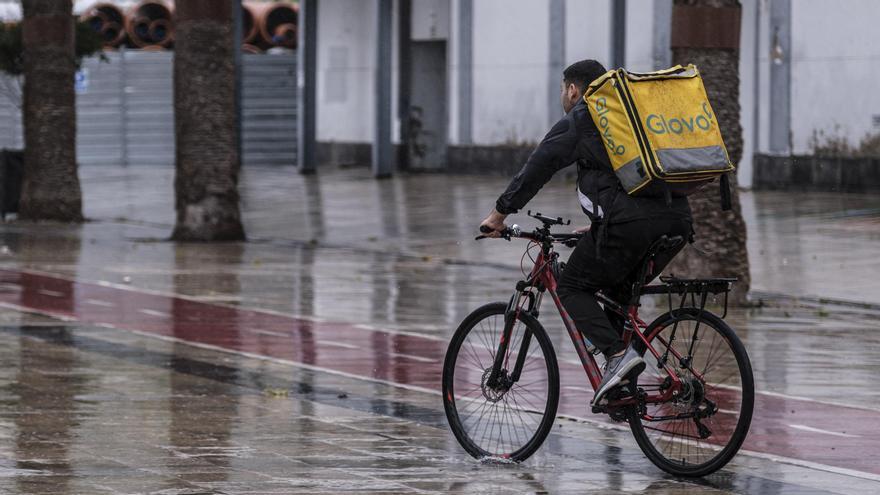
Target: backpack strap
{"x":726,"y":203}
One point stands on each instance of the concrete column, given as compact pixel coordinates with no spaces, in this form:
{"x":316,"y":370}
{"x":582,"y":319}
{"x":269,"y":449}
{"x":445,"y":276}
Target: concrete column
{"x":404,"y":64}
{"x":236,"y":55}
{"x":780,"y":77}
{"x":556,"y":58}
{"x":618,"y":34}
{"x":123,"y":105}
{"x":465,"y":71}
{"x":662,"y":34}
{"x":306,"y":70}
{"x":382,"y":156}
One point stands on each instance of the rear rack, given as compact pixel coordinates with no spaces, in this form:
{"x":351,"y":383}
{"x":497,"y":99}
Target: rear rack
{"x":682,"y":287}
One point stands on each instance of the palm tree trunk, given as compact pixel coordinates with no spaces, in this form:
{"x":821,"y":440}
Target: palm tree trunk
{"x":720,"y":247}
{"x":208,"y":160}
{"x":50,"y":188}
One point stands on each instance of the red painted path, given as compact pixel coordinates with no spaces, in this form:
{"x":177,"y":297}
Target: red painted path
{"x":847,"y":437}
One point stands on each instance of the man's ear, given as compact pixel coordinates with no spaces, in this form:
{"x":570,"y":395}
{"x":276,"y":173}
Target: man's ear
{"x":573,"y":92}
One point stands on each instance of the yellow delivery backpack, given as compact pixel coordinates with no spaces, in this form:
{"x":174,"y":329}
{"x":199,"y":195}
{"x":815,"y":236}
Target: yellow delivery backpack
{"x":659,"y":130}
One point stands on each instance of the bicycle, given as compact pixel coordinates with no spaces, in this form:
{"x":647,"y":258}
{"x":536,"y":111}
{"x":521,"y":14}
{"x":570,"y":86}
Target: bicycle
{"x":501,"y":391}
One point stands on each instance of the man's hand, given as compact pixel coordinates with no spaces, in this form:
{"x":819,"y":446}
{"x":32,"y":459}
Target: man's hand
{"x":494,"y":221}
{"x":581,"y":230}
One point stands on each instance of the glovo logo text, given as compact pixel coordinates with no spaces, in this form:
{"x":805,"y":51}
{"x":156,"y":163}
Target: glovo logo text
{"x":659,"y":124}
{"x":601,"y":110}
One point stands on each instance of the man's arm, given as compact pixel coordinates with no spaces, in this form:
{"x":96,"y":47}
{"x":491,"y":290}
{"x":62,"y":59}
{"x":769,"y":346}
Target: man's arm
{"x":555,"y":152}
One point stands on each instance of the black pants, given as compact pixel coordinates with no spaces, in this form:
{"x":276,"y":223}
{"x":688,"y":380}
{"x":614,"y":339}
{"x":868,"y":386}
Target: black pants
{"x":623,"y":249}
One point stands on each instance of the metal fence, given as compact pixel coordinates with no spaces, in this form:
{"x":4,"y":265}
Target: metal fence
{"x":125,"y":110}
{"x":268,"y":109}
{"x":10,"y":113}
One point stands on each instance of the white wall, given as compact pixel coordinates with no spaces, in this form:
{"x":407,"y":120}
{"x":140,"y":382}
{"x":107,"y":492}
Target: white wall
{"x":452,"y":73}
{"x":10,"y":10}
{"x":510,"y":70}
{"x":346,"y":64}
{"x":510,"y":61}
{"x":835,"y":65}
{"x":640,"y":35}
{"x":588,"y":30}
{"x":763,"y":75}
{"x":429,"y":20}
{"x":835,"y":69}
{"x":747,"y":94}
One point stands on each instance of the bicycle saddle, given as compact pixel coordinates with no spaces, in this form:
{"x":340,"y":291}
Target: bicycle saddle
{"x":665,"y":243}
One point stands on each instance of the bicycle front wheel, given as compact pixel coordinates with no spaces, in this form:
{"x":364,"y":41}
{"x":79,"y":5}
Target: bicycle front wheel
{"x":511,"y":418}
{"x":702,"y":428}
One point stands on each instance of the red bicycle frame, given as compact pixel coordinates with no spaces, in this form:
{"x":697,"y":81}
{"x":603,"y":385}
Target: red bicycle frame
{"x":542,"y":279}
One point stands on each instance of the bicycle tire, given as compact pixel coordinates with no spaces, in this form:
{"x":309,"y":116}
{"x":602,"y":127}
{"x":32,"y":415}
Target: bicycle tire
{"x":718,"y":392}
{"x":451,"y":400}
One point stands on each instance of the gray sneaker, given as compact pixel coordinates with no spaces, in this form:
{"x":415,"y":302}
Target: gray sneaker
{"x":618,"y":371}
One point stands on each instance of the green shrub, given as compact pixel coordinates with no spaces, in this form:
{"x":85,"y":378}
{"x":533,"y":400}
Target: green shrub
{"x":88,"y":42}
{"x":836,"y":144}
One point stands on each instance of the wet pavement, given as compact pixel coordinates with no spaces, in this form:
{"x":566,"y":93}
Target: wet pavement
{"x":307,"y":359}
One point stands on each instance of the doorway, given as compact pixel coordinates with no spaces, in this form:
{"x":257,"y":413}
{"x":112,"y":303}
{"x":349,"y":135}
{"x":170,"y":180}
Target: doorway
{"x":427,"y":128}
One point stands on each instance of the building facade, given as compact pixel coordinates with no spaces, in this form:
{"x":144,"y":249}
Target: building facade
{"x":486,"y":73}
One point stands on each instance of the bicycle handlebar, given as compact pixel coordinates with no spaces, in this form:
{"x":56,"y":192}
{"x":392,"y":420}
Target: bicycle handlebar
{"x":507,"y":233}
{"x":515,"y":231}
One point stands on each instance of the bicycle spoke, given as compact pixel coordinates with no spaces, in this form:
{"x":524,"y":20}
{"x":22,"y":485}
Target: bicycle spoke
{"x":711,"y":355}
{"x":521,"y":390}
{"x":470,"y":391}
{"x":715,"y":383}
{"x":481,"y":410}
{"x":519,"y":412}
{"x":500,"y":421}
{"x":678,"y":441}
{"x":487,"y":339}
{"x":476,"y":357}
{"x":527,"y":402}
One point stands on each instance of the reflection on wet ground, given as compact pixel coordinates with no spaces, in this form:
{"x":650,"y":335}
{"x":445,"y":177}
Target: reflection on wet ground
{"x":90,"y":409}
{"x":121,"y":414}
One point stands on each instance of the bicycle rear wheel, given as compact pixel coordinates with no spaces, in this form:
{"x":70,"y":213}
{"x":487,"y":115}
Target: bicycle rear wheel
{"x":720,"y":404}
{"x":508,"y":421}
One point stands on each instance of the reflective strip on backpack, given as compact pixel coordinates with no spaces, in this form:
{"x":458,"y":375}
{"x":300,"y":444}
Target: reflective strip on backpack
{"x":632,"y":174}
{"x":689,"y":160}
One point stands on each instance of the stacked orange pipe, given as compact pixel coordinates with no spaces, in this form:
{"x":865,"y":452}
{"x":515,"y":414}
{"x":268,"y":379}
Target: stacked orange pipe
{"x":249,"y":30}
{"x":276,"y":23}
{"x":149,"y":23}
{"x":108,"y":21}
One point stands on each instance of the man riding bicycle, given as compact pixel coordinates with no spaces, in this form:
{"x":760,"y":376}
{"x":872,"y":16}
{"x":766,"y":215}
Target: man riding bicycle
{"x":622,"y":227}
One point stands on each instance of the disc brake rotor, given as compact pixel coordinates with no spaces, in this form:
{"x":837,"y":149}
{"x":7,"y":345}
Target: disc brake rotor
{"x":494,"y":394}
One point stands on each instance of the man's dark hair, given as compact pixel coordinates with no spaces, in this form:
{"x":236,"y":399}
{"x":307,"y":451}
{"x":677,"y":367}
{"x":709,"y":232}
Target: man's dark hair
{"x":582,"y":73}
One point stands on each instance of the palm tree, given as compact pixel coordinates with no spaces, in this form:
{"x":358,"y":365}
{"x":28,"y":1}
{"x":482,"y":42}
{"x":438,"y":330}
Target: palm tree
{"x":50,"y":188}
{"x":720,"y":247}
{"x":208,"y":154}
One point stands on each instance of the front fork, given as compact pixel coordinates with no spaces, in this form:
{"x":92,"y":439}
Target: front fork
{"x":498,"y":378}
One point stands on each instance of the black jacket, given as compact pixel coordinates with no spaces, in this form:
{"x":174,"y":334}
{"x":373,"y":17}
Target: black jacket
{"x":575,"y":139}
